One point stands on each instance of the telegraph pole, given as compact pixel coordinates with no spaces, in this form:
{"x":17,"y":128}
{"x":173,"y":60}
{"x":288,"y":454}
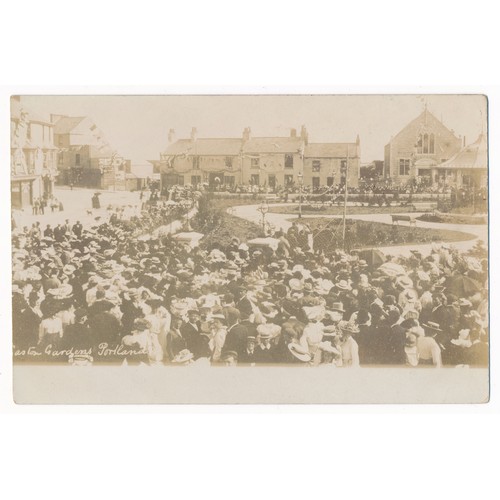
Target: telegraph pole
{"x":345,"y":197}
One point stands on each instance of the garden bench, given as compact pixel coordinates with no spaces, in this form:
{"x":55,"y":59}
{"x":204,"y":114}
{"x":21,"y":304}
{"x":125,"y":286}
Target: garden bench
{"x":404,"y":218}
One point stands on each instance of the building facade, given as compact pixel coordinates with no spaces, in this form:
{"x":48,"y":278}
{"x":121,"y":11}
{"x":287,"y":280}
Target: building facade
{"x":258,"y":161}
{"x":85,"y":157}
{"x":416,"y":151}
{"x":33,"y":156}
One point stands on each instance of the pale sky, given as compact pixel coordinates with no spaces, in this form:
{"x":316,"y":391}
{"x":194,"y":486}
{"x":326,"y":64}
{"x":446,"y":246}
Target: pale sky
{"x":137,"y":126}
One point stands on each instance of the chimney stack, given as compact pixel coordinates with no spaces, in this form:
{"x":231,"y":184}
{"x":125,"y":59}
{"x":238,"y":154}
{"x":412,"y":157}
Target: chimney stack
{"x":303,"y":134}
{"x":171,"y":136}
{"x":246,"y":134}
{"x":194,"y":134}
{"x":293,"y":132}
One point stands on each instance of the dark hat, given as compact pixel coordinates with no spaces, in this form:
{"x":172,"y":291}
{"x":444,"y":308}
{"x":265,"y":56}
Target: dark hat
{"x":141,"y":324}
{"x":363,"y":316}
{"x":229,"y":354}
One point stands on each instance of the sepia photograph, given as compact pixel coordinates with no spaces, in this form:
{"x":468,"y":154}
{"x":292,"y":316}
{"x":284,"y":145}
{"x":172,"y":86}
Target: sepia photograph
{"x":250,"y":249}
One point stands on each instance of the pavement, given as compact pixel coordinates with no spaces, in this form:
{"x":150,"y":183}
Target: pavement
{"x":283,"y":221}
{"x":77,"y":203}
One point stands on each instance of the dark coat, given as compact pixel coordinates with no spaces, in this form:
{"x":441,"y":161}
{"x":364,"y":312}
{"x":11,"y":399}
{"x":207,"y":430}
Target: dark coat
{"x":104,"y":327}
{"x":367,"y":343}
{"x":196,"y":341}
{"x":236,"y":339}
{"x":265,"y":355}
{"x":175,"y":343}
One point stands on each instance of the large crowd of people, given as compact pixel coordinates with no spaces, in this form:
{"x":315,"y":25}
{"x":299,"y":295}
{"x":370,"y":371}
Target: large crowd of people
{"x":118,"y":293}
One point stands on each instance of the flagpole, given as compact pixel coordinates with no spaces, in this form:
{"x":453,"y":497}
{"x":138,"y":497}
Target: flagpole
{"x":345,"y":198}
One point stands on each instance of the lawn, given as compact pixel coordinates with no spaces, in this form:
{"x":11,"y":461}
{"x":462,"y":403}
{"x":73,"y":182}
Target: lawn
{"x":338,"y":210}
{"x":367,"y":234}
{"x":452,"y":218}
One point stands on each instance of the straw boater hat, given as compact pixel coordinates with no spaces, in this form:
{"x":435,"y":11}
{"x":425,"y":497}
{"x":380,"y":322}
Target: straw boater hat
{"x":432,"y":327}
{"x":343,"y":285}
{"x":299,"y":352}
{"x":183,"y":357}
{"x":348,"y":327}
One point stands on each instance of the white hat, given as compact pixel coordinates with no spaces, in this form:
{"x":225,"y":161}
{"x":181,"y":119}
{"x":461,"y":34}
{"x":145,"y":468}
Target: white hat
{"x":328,"y":347}
{"x":183,"y":357}
{"x":299,"y":352}
{"x":268,"y":330}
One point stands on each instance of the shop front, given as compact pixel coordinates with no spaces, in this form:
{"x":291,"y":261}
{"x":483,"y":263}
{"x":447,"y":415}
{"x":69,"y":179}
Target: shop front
{"x":21,"y":191}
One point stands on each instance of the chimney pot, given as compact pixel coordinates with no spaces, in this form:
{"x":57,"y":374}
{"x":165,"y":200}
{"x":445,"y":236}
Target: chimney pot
{"x":171,"y":136}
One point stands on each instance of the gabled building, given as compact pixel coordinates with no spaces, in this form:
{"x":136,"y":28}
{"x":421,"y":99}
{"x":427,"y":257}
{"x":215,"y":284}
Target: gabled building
{"x":85,"y":156}
{"x":417,"y":150}
{"x":263,"y":161}
{"x":33,"y":155}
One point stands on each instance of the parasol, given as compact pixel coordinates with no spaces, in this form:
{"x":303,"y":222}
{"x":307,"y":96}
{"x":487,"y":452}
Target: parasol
{"x":391,"y":269}
{"x":463,"y":286}
{"x":373,"y":257}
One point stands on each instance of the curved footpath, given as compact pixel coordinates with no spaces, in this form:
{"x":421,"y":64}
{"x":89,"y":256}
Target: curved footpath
{"x":283,"y":221}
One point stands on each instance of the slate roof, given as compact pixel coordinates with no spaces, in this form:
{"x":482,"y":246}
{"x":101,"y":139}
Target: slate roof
{"x":473,"y":156}
{"x":205,"y":147}
{"x":330,"y":150}
{"x":67,"y":123}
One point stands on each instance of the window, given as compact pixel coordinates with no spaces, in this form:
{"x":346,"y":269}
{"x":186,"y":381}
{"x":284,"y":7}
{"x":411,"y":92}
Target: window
{"x":254,"y":163}
{"x":195,"y":180}
{"x":228,"y":161}
{"x":60,"y":140}
{"x":272,"y":181}
{"x":315,"y":182}
{"x":404,"y":167}
{"x":329,"y":181}
{"x":431,"y":144}
{"x":60,"y":159}
{"x":196,"y":162}
{"x":425,"y":144}
{"x":77,"y":159}
{"x":229,"y":180}
{"x":255,"y":179}
{"x":288,"y":161}
{"x":316,"y":165}
{"x":288,"y":180}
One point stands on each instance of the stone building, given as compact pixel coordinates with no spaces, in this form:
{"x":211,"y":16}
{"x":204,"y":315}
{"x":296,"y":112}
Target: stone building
{"x":262,"y":161}
{"x":33,"y":156}
{"x":85,"y":156}
{"x":417,"y":150}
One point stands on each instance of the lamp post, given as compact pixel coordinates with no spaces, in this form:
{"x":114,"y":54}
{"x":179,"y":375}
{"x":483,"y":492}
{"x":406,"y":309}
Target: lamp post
{"x":263,"y":209}
{"x":301,"y":180}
